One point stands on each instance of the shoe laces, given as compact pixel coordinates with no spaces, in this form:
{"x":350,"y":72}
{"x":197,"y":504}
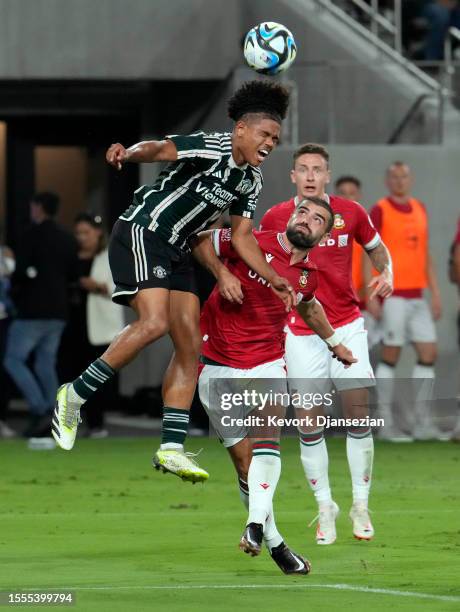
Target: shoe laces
{"x":72,"y":415}
{"x":191,"y":456}
{"x":326,"y":515}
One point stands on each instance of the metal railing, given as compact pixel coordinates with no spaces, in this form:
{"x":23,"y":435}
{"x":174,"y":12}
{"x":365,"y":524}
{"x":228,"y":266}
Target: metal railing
{"x":380,"y":45}
{"x":453,"y":34}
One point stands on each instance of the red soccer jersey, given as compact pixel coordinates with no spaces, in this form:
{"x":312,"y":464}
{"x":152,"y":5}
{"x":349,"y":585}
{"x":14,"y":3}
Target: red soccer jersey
{"x":333,"y":259}
{"x":249,"y":334}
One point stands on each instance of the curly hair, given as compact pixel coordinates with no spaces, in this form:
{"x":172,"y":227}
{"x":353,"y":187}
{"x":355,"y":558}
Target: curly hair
{"x":264,"y":97}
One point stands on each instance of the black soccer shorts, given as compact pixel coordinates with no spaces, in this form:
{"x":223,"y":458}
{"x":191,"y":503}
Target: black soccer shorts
{"x":140,"y":259}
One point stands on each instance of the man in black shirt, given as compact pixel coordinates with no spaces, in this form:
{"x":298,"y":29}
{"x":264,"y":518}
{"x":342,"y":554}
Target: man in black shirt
{"x":46,"y":260}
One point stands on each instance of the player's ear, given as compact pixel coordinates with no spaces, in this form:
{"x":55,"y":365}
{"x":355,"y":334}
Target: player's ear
{"x":292,"y":175}
{"x":328,"y":177}
{"x":240,"y":128}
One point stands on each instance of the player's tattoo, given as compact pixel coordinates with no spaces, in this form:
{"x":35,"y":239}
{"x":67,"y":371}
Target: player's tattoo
{"x":380,"y":257}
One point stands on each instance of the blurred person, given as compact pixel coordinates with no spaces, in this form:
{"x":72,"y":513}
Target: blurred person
{"x":243,"y":340}
{"x":440,"y":15}
{"x":46,"y":261}
{"x":94,"y":319}
{"x":307,"y":358}
{"x":149,"y":256}
{"x":7,"y":265}
{"x":349,"y":187}
{"x":406,"y":317}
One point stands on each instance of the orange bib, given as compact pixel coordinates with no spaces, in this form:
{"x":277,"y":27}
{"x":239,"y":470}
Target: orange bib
{"x":406,"y":236}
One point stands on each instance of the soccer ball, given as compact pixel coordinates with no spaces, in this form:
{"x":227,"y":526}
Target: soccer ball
{"x":269,"y":48}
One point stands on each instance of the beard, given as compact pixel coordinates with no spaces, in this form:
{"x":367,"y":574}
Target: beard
{"x":299,"y":239}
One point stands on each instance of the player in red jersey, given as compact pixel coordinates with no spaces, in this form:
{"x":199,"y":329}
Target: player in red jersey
{"x":243,"y":342}
{"x":305,"y":356}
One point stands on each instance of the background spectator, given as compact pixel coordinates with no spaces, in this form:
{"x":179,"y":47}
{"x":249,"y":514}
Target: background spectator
{"x":7,"y":265}
{"x":402,"y":222}
{"x":46,"y":260}
{"x":94,"y":319}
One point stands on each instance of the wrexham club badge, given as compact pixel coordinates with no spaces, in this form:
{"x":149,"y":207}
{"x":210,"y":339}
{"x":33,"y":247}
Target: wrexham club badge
{"x":303,"y":279}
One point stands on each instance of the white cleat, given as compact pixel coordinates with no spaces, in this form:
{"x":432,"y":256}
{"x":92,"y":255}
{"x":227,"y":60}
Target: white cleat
{"x":362,"y":526}
{"x":181,"y":464}
{"x":66,"y":418}
{"x":325,"y":529}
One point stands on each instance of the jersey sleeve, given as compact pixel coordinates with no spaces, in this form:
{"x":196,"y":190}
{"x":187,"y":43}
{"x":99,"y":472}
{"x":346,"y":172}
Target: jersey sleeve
{"x":365,"y":233}
{"x":195,"y":146}
{"x":376,"y":216}
{"x":222,"y":243}
{"x":246,"y":204}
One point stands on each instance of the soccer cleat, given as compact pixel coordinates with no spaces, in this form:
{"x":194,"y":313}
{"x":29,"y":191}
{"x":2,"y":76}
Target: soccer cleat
{"x":181,"y":464}
{"x":251,"y":540}
{"x":362,"y":526}
{"x":325,"y":529}
{"x":66,"y":418}
{"x":288,"y":561}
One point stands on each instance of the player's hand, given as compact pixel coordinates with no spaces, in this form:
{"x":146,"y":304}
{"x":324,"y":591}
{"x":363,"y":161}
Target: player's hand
{"x":436,"y":306}
{"x":281,"y":287}
{"x":116,"y":155}
{"x":382,"y":284}
{"x":374,"y":308}
{"x":344,"y":355}
{"x":230,"y":287}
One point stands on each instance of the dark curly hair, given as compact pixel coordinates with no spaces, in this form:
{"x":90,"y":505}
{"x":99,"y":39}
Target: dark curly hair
{"x":264,"y":97}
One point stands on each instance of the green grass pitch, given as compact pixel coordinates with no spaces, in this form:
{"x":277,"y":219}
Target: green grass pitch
{"x":101,"y":521}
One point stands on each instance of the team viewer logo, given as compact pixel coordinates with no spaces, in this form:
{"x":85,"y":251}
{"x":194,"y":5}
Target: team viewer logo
{"x":303,"y":279}
{"x":159,"y":272}
{"x":339,"y":223}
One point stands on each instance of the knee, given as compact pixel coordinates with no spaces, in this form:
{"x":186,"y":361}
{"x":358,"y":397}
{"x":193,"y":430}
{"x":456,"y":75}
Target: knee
{"x":427,"y":354}
{"x":152,"y":329}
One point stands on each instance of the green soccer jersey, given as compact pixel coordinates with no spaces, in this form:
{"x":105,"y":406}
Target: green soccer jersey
{"x":194,"y":191}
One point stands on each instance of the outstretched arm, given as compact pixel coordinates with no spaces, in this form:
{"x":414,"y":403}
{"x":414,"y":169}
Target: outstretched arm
{"x":314,"y":316}
{"x":143,"y":152}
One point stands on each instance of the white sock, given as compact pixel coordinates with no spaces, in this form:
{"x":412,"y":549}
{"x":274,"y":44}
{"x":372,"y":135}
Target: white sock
{"x":74,"y":397}
{"x":360,"y":455}
{"x":385,"y":375}
{"x":171,"y":446}
{"x":423,"y":386}
{"x":263,"y":476}
{"x":272,"y":537}
{"x":315,"y":461}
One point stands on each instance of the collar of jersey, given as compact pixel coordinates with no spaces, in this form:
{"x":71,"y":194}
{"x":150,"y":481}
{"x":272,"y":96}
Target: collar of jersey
{"x":285,"y":247}
{"x":232,"y":163}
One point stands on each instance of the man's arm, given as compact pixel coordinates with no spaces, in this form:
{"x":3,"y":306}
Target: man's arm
{"x":314,"y":316}
{"x":204,"y":251}
{"x":383,"y":283}
{"x":246,"y":246}
{"x":436,"y":306}
{"x":147,"y":151}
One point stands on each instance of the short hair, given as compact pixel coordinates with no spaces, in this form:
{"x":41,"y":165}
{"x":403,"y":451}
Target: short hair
{"x":96,"y":222}
{"x":311,"y":148}
{"x":261,"y":97}
{"x":398,"y":163}
{"x":348,"y":179}
{"x":324,"y":204}
{"x":49,"y":201}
